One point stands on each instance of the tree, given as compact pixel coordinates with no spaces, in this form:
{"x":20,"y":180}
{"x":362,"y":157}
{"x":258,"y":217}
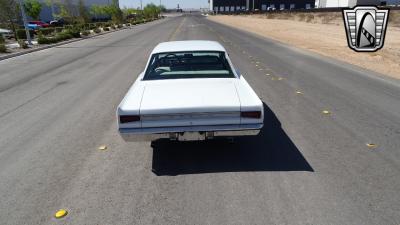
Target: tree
{"x":116,"y":12}
{"x":9,"y":13}
{"x":151,"y":11}
{"x":83,"y":14}
{"x":33,"y":8}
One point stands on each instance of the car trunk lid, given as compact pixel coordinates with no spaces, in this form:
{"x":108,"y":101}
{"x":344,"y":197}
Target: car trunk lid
{"x":190,"y":102}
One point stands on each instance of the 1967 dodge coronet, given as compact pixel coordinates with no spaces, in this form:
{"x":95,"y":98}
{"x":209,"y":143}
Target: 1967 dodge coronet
{"x":189,"y":91}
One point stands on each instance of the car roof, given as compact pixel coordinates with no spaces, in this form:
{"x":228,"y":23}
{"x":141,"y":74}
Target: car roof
{"x":184,"y":46}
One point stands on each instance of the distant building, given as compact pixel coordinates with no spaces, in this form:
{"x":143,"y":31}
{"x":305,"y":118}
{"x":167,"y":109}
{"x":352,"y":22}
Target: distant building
{"x":221,"y":6}
{"x":46,"y":14}
{"x":344,"y":3}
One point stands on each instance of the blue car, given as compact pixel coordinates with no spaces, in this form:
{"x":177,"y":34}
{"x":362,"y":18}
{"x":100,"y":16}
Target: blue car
{"x":32,"y":26}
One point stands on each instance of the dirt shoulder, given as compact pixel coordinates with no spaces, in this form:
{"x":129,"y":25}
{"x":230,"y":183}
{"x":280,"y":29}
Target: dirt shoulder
{"x":321,"y":34}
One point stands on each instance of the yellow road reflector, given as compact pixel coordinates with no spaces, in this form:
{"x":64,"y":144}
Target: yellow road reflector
{"x":60,"y":213}
{"x":261,"y":69}
{"x":326,"y":112}
{"x":258,"y":62}
{"x":267,"y":74}
{"x":102,"y":147}
{"x":256,"y":65}
{"x":299,"y":92}
{"x":371,"y":145}
{"x":280,"y":78}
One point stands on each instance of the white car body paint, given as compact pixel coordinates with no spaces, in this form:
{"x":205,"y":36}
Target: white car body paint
{"x":172,"y":106}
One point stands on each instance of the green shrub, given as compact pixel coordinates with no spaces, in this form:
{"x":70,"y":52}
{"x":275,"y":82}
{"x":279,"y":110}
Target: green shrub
{"x":106,"y":29}
{"x":47,"y":31}
{"x":2,"y":41}
{"x":44,"y":40}
{"x":21,"y":34}
{"x":59,"y":29}
{"x":85,"y":33}
{"x":63,"y":36}
{"x":3,"y":48}
{"x":22,"y":44}
{"x":112,"y":27}
{"x":75,"y":32}
{"x":119,"y":26}
{"x":97,"y":30}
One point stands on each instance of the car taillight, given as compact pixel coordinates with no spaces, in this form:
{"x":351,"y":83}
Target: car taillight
{"x":128,"y":119}
{"x":251,"y":114}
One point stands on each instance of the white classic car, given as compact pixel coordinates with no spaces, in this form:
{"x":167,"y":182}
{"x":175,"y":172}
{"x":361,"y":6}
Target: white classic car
{"x":189,"y":91}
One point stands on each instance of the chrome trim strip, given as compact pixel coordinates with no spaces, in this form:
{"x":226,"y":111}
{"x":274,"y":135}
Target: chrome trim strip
{"x":149,"y":134}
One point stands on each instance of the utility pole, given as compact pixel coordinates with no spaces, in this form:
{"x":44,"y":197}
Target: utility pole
{"x":141,"y":5}
{"x":253,"y":5}
{"x":28,"y":35}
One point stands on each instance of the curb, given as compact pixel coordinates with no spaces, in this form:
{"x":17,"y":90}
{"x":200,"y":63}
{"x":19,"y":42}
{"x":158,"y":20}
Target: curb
{"x":12,"y":55}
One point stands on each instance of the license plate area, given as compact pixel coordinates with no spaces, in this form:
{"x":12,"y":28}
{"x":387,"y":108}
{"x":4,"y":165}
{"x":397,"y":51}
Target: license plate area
{"x":192,"y":136}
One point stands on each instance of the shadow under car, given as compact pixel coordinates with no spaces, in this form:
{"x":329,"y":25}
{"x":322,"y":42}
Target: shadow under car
{"x":271,"y":150}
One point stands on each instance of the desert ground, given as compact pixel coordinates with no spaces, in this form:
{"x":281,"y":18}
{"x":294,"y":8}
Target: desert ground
{"x":322,"y":33}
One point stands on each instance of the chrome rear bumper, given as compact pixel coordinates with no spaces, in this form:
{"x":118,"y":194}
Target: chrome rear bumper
{"x":189,"y":133}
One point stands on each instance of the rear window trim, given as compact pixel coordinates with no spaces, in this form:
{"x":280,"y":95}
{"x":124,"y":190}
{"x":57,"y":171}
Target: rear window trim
{"x":194,"y":51}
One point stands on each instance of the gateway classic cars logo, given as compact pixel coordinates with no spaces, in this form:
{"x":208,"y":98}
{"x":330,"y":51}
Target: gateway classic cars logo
{"x":365,"y":27}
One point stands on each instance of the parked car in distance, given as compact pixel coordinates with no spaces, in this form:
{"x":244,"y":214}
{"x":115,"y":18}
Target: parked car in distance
{"x":32,"y":26}
{"x":57,"y":22}
{"x":189,"y":91}
{"x":6,"y":33}
{"x":39,"y":23}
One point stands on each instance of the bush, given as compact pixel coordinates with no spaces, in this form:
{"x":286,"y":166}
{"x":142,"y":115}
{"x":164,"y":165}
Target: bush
{"x":47,"y":31}
{"x":97,"y":30}
{"x":75,"y":32}
{"x":2,"y":41}
{"x":59,"y":29}
{"x":119,"y":26}
{"x":3,"y":48}
{"x":22,"y":44}
{"x":106,"y":29}
{"x":44,"y":40}
{"x":85,"y":33}
{"x":112,"y":27}
{"x":62,"y":36}
{"x":21,"y":34}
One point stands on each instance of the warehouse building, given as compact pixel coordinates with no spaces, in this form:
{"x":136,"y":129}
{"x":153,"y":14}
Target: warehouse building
{"x":259,"y":5}
{"x":344,"y":3}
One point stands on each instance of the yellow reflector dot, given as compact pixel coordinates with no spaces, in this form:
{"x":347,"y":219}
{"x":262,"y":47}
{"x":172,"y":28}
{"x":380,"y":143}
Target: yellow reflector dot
{"x":267,"y":74}
{"x":102,"y":147}
{"x":371,"y":145}
{"x":280,"y":78}
{"x":326,"y":112}
{"x":60,"y":213}
{"x":299,"y":92}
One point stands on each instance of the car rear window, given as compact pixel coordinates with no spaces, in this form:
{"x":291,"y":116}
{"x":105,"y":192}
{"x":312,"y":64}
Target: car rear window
{"x":177,"y":65}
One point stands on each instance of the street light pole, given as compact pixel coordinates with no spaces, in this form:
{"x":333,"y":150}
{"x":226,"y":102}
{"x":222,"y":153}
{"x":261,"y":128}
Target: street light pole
{"x":28,"y":35}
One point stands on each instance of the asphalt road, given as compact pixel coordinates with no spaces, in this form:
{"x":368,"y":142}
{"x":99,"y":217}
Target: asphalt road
{"x":57,"y":106}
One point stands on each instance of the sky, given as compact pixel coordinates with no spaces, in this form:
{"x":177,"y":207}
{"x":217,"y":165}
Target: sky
{"x":167,"y":3}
